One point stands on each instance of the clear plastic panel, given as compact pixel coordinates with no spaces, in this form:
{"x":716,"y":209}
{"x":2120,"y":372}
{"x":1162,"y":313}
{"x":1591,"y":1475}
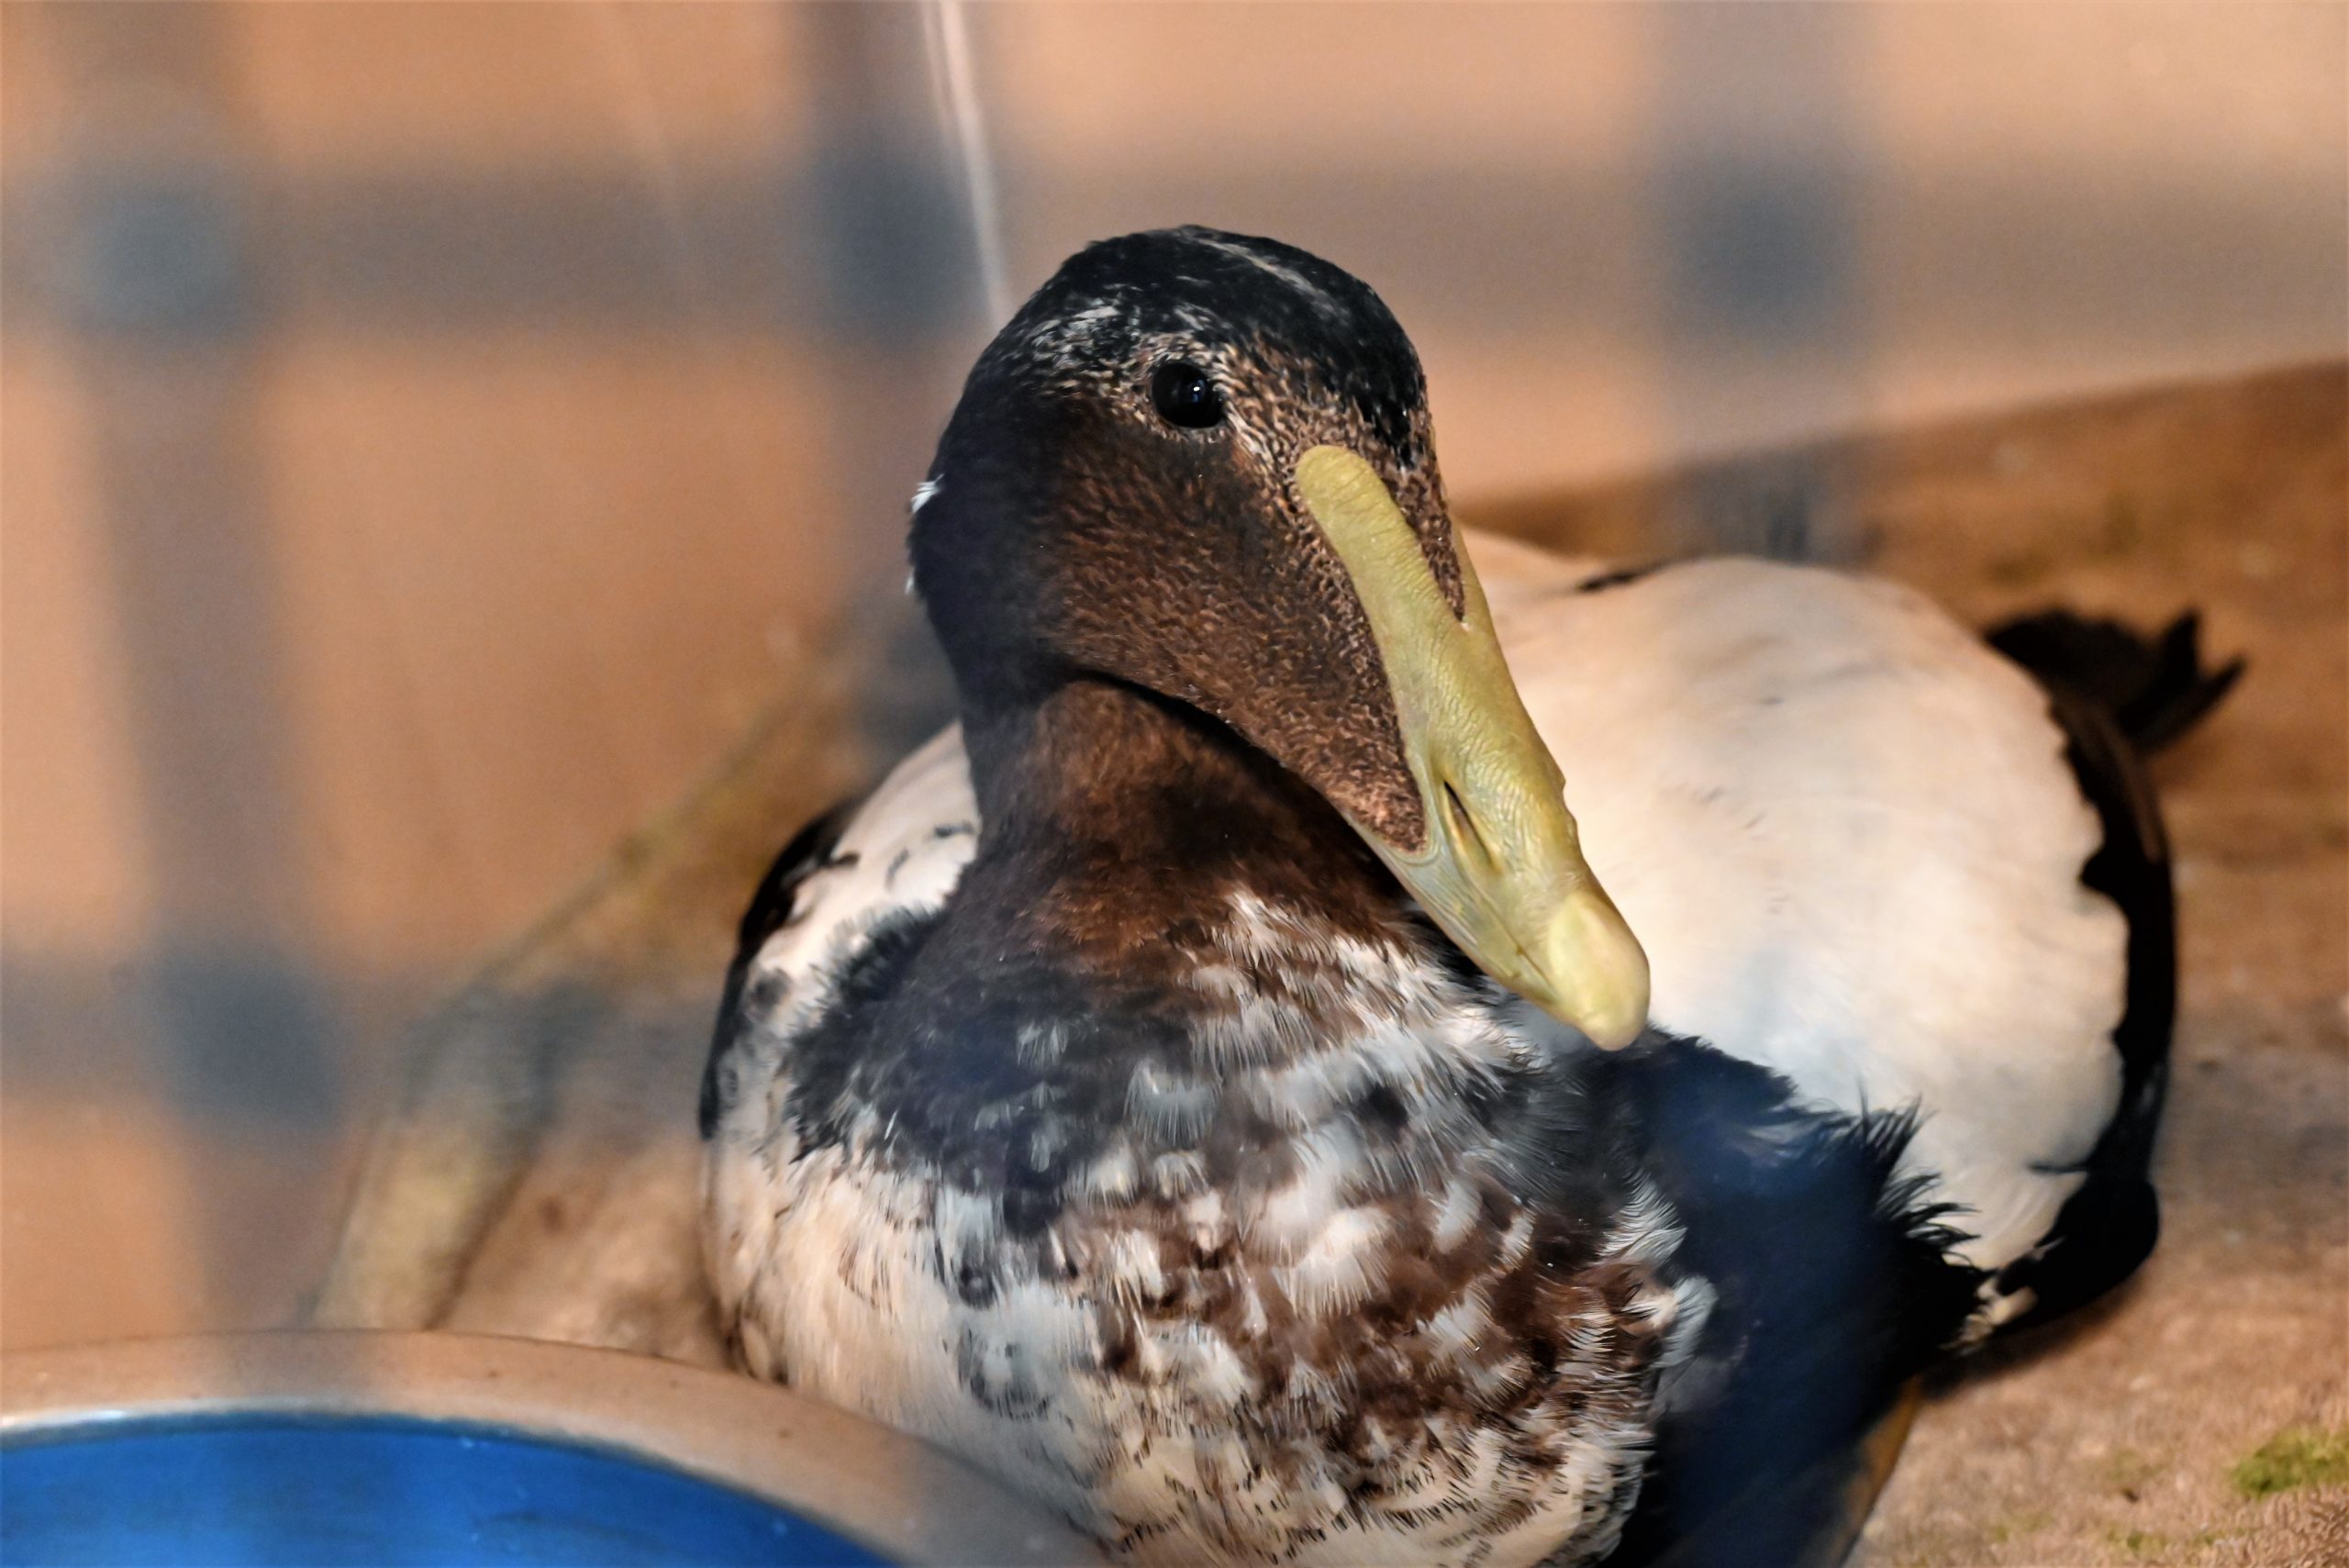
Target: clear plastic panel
{"x":435,"y":435}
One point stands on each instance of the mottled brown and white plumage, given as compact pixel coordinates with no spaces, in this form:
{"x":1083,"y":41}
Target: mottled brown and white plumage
{"x":1091,"y":1100}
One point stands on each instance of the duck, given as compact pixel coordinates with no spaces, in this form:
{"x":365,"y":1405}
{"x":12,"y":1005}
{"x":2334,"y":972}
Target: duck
{"x":1218,"y":1087}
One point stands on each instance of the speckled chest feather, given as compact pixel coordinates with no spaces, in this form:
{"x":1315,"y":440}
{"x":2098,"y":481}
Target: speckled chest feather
{"x":1278,"y":1265}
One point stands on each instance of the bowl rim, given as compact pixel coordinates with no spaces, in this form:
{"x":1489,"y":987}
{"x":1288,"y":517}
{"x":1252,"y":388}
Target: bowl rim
{"x":892,"y":1493}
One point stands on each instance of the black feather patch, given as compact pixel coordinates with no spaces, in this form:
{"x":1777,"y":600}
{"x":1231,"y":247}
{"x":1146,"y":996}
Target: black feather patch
{"x":2118,"y":697}
{"x":1834,"y":1282}
{"x":2108,"y":1226}
{"x":2156,"y":689}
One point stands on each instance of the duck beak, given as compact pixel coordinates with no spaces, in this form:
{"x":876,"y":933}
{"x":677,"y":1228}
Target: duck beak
{"x":1500,"y":865}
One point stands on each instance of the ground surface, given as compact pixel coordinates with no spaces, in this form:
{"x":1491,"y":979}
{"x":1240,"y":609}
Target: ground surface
{"x":541,"y":1178}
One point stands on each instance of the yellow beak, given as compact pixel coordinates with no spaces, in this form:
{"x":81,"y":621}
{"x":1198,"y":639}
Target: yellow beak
{"x":1500,"y":869}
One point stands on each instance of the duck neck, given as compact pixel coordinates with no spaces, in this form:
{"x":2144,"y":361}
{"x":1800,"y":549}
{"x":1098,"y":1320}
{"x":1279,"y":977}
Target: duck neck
{"x":1130,"y":815}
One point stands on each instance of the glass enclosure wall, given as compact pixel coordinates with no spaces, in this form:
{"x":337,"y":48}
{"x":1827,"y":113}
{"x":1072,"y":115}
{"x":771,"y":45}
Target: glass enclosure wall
{"x":434,"y":434}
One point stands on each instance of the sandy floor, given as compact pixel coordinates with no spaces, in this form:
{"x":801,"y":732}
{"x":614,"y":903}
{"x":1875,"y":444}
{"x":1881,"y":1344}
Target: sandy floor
{"x":539,"y":1180}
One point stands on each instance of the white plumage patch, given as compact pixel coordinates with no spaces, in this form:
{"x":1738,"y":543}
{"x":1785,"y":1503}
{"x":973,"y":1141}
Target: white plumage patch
{"x":902,"y":854}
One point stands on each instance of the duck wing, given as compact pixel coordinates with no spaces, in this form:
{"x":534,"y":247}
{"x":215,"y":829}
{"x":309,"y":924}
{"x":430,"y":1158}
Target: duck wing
{"x":1899,"y":866}
{"x":1845,"y":831}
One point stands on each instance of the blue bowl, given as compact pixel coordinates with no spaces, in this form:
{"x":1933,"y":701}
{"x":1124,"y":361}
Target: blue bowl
{"x":398,"y":1449}
{"x":298,"y":1490}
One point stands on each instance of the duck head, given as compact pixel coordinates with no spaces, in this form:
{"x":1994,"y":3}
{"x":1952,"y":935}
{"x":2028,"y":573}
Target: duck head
{"x":1200,"y":463}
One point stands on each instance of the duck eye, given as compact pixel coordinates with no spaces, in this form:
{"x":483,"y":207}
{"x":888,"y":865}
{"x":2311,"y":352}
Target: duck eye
{"x":1184,"y":396}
